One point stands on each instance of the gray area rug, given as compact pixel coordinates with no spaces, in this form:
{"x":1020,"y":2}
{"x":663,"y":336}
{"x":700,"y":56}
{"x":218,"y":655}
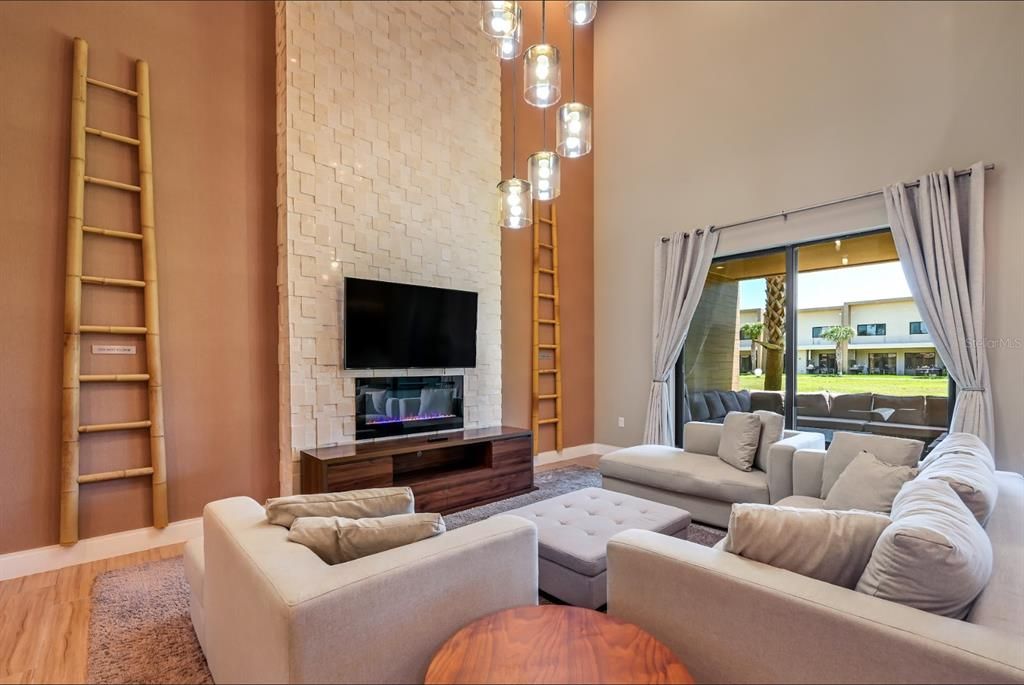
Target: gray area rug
{"x":140,"y":630}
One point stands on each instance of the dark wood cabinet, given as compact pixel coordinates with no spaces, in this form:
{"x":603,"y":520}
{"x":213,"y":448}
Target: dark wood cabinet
{"x":447,"y":472}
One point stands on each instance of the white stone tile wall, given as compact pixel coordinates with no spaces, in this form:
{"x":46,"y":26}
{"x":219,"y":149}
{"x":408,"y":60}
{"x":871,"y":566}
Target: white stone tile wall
{"x":389,"y":128}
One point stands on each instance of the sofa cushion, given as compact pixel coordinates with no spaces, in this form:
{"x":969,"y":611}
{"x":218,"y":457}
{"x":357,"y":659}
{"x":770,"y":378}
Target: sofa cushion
{"x":909,"y":408}
{"x":743,"y":397}
{"x":699,"y":407}
{"x":962,"y":442}
{"x":767,"y":400}
{"x":355,"y":504}
{"x":968,"y":468}
{"x":801,"y":502}
{"x":337,"y":539}
{"x":935,"y":556}
{"x":833,"y":546}
{"x":715,"y":406}
{"x":846,"y":446}
{"x":1001,"y":603}
{"x":740,"y":435}
{"x":850,"y":405}
{"x":868,"y":484}
{"x":729,"y":400}
{"x":811,"y":404}
{"x":676,"y":470}
{"x":195,"y":567}
{"x":773,"y":426}
{"x":936,"y":410}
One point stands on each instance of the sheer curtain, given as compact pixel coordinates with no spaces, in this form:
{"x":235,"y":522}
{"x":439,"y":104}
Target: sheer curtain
{"x":939,"y":231}
{"x":680,"y":267}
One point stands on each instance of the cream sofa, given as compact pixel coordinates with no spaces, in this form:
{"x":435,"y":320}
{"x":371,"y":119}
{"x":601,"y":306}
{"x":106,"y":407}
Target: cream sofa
{"x":696,"y":480}
{"x":270,"y":611}
{"x":734,"y":620}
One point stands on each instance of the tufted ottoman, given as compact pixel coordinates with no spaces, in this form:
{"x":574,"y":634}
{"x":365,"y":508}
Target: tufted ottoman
{"x":573,"y":532}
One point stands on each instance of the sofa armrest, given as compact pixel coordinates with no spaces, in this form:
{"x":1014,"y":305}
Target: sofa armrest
{"x":697,"y":601}
{"x":779,"y":464}
{"x":701,"y":437}
{"x":808,"y":467}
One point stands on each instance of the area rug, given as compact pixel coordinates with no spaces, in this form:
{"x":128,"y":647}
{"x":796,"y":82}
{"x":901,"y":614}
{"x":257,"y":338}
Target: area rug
{"x":140,"y":630}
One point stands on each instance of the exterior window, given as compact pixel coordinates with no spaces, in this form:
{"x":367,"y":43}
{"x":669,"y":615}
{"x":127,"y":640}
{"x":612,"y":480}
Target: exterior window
{"x":918,"y":328}
{"x":871,"y":329}
{"x":816,"y":331}
{"x":744,"y":335}
{"x":882,"y":363}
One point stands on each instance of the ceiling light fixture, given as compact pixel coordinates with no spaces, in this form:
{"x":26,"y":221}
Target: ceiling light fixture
{"x":573,"y":121}
{"x":511,"y":46}
{"x":581,"y":12}
{"x":542,"y":82}
{"x":515,"y":194}
{"x":498,"y":18}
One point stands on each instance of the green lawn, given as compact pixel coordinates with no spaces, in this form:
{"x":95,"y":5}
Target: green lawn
{"x":883,"y":385}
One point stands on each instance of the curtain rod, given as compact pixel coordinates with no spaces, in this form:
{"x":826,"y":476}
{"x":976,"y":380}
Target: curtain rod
{"x":786,"y":212}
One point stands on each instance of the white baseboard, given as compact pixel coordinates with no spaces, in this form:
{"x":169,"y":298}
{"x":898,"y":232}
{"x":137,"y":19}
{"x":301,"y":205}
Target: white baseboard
{"x":572,"y":453}
{"x":40,"y":559}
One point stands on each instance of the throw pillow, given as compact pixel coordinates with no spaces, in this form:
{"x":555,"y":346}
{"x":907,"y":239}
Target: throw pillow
{"x":740,"y":433}
{"x":868,"y":484}
{"x":833,"y":546}
{"x":715,"y":407}
{"x":934,"y":556}
{"x":354,"y":504}
{"x":338,"y":539}
{"x":773,"y":427}
{"x":729,"y":400}
{"x":846,"y":446}
{"x":699,"y":407}
{"x":970,"y":478}
{"x":962,"y":442}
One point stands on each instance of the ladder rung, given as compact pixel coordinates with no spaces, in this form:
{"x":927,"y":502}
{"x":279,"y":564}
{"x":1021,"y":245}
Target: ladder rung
{"x":112,"y":184}
{"x":547,"y":371}
{"x":548,"y":347}
{"x":114,"y":330}
{"x":124,"y":282}
{"x":113,"y":377}
{"x":543,"y":421}
{"x":111,"y":233}
{"x":547,"y":245}
{"x":543,"y":220}
{"x":544,"y":270}
{"x":548,"y":397}
{"x":115,"y":475}
{"x":111,"y":86}
{"x":111,"y":136}
{"x":546,"y":296}
{"x":548,"y":321}
{"x":123,"y":426}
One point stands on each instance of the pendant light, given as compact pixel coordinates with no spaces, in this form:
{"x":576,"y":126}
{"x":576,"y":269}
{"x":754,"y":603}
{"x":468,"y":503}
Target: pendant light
{"x":511,"y":46}
{"x":573,"y":120}
{"x":581,"y":12}
{"x":543,"y":171}
{"x":542,"y":82}
{"x":515,"y":194}
{"x":498,"y":18}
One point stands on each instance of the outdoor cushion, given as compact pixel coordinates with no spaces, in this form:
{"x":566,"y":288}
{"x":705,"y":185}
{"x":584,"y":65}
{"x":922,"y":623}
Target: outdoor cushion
{"x":715,"y":405}
{"x":936,"y":410}
{"x":729,"y":400}
{"x":850,"y":406}
{"x":676,"y":470}
{"x":811,"y":404}
{"x":767,"y":400}
{"x":909,"y":409}
{"x":903,"y":430}
{"x":699,"y":407}
{"x":743,"y":397}
{"x":830,"y":423}
{"x":846,"y":446}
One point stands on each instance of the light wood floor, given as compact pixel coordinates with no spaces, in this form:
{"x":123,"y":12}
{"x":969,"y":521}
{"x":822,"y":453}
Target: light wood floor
{"x":44,"y":618}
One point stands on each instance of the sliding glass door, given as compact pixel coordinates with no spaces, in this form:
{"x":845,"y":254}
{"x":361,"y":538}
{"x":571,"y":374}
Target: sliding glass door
{"x":825,"y":333}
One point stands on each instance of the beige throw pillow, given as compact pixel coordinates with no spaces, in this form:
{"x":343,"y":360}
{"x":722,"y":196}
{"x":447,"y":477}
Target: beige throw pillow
{"x":833,"y":546}
{"x":868,"y":484}
{"x":934,"y":556}
{"x":338,"y":539}
{"x":740,"y":435}
{"x":353,"y":504}
{"x":970,"y":478}
{"x":845,"y":447}
{"x":773,"y":427}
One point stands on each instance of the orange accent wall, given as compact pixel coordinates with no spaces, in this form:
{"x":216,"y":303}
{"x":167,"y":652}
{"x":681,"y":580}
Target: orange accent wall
{"x":576,"y":240}
{"x":212,"y":74}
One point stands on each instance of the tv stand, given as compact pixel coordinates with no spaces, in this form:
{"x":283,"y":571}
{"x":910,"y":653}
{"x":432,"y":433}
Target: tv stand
{"x":447,"y":473}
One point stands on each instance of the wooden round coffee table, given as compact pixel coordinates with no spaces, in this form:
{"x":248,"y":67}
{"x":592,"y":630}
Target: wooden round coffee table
{"x":554,"y":644}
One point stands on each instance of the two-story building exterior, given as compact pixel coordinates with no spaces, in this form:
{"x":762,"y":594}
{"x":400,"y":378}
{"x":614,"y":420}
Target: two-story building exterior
{"x":890,"y":337}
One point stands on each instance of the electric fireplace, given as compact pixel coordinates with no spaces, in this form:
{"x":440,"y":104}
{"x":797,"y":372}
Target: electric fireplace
{"x":399,"y":405}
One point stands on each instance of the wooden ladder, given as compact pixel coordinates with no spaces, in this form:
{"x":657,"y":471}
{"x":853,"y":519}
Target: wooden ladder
{"x":72,"y":428}
{"x":547,"y":301}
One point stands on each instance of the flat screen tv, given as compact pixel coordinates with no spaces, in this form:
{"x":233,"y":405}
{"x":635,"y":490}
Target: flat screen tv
{"x":399,"y":326}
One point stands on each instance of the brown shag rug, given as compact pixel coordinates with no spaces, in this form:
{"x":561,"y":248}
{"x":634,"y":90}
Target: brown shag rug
{"x":140,"y":630}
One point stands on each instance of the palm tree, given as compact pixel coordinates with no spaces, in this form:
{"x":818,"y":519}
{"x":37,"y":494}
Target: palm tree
{"x":838,"y":335}
{"x":774,"y":330}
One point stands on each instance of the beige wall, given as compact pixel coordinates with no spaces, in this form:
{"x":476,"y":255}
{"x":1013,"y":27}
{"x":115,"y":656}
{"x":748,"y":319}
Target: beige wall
{"x":212,"y":74}
{"x":713,"y":112}
{"x":390,"y":152}
{"x":576,"y":246}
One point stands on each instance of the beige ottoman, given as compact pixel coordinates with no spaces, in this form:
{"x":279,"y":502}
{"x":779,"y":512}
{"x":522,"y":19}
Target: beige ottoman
{"x":573,"y":532}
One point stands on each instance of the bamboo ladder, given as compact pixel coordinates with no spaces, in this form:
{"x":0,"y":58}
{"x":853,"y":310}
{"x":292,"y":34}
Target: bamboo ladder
{"x":71,"y":477}
{"x":542,"y":274}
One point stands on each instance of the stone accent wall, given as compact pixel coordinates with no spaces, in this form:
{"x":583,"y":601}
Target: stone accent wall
{"x":712,"y":344}
{"x":388,"y":156}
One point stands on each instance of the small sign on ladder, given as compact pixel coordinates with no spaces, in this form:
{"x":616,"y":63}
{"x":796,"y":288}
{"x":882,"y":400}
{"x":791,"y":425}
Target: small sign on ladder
{"x":113,"y":349}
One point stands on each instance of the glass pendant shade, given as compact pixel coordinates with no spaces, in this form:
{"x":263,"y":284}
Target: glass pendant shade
{"x":544,"y":175}
{"x":498,"y":17}
{"x":581,"y":11}
{"x":573,"y":134}
{"x":516,"y":203}
{"x":542,"y":82}
{"x":511,"y":46}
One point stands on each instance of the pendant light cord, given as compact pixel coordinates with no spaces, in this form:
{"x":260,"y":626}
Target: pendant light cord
{"x":514,"y":117}
{"x":573,"y":48}
{"x":543,"y":39}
